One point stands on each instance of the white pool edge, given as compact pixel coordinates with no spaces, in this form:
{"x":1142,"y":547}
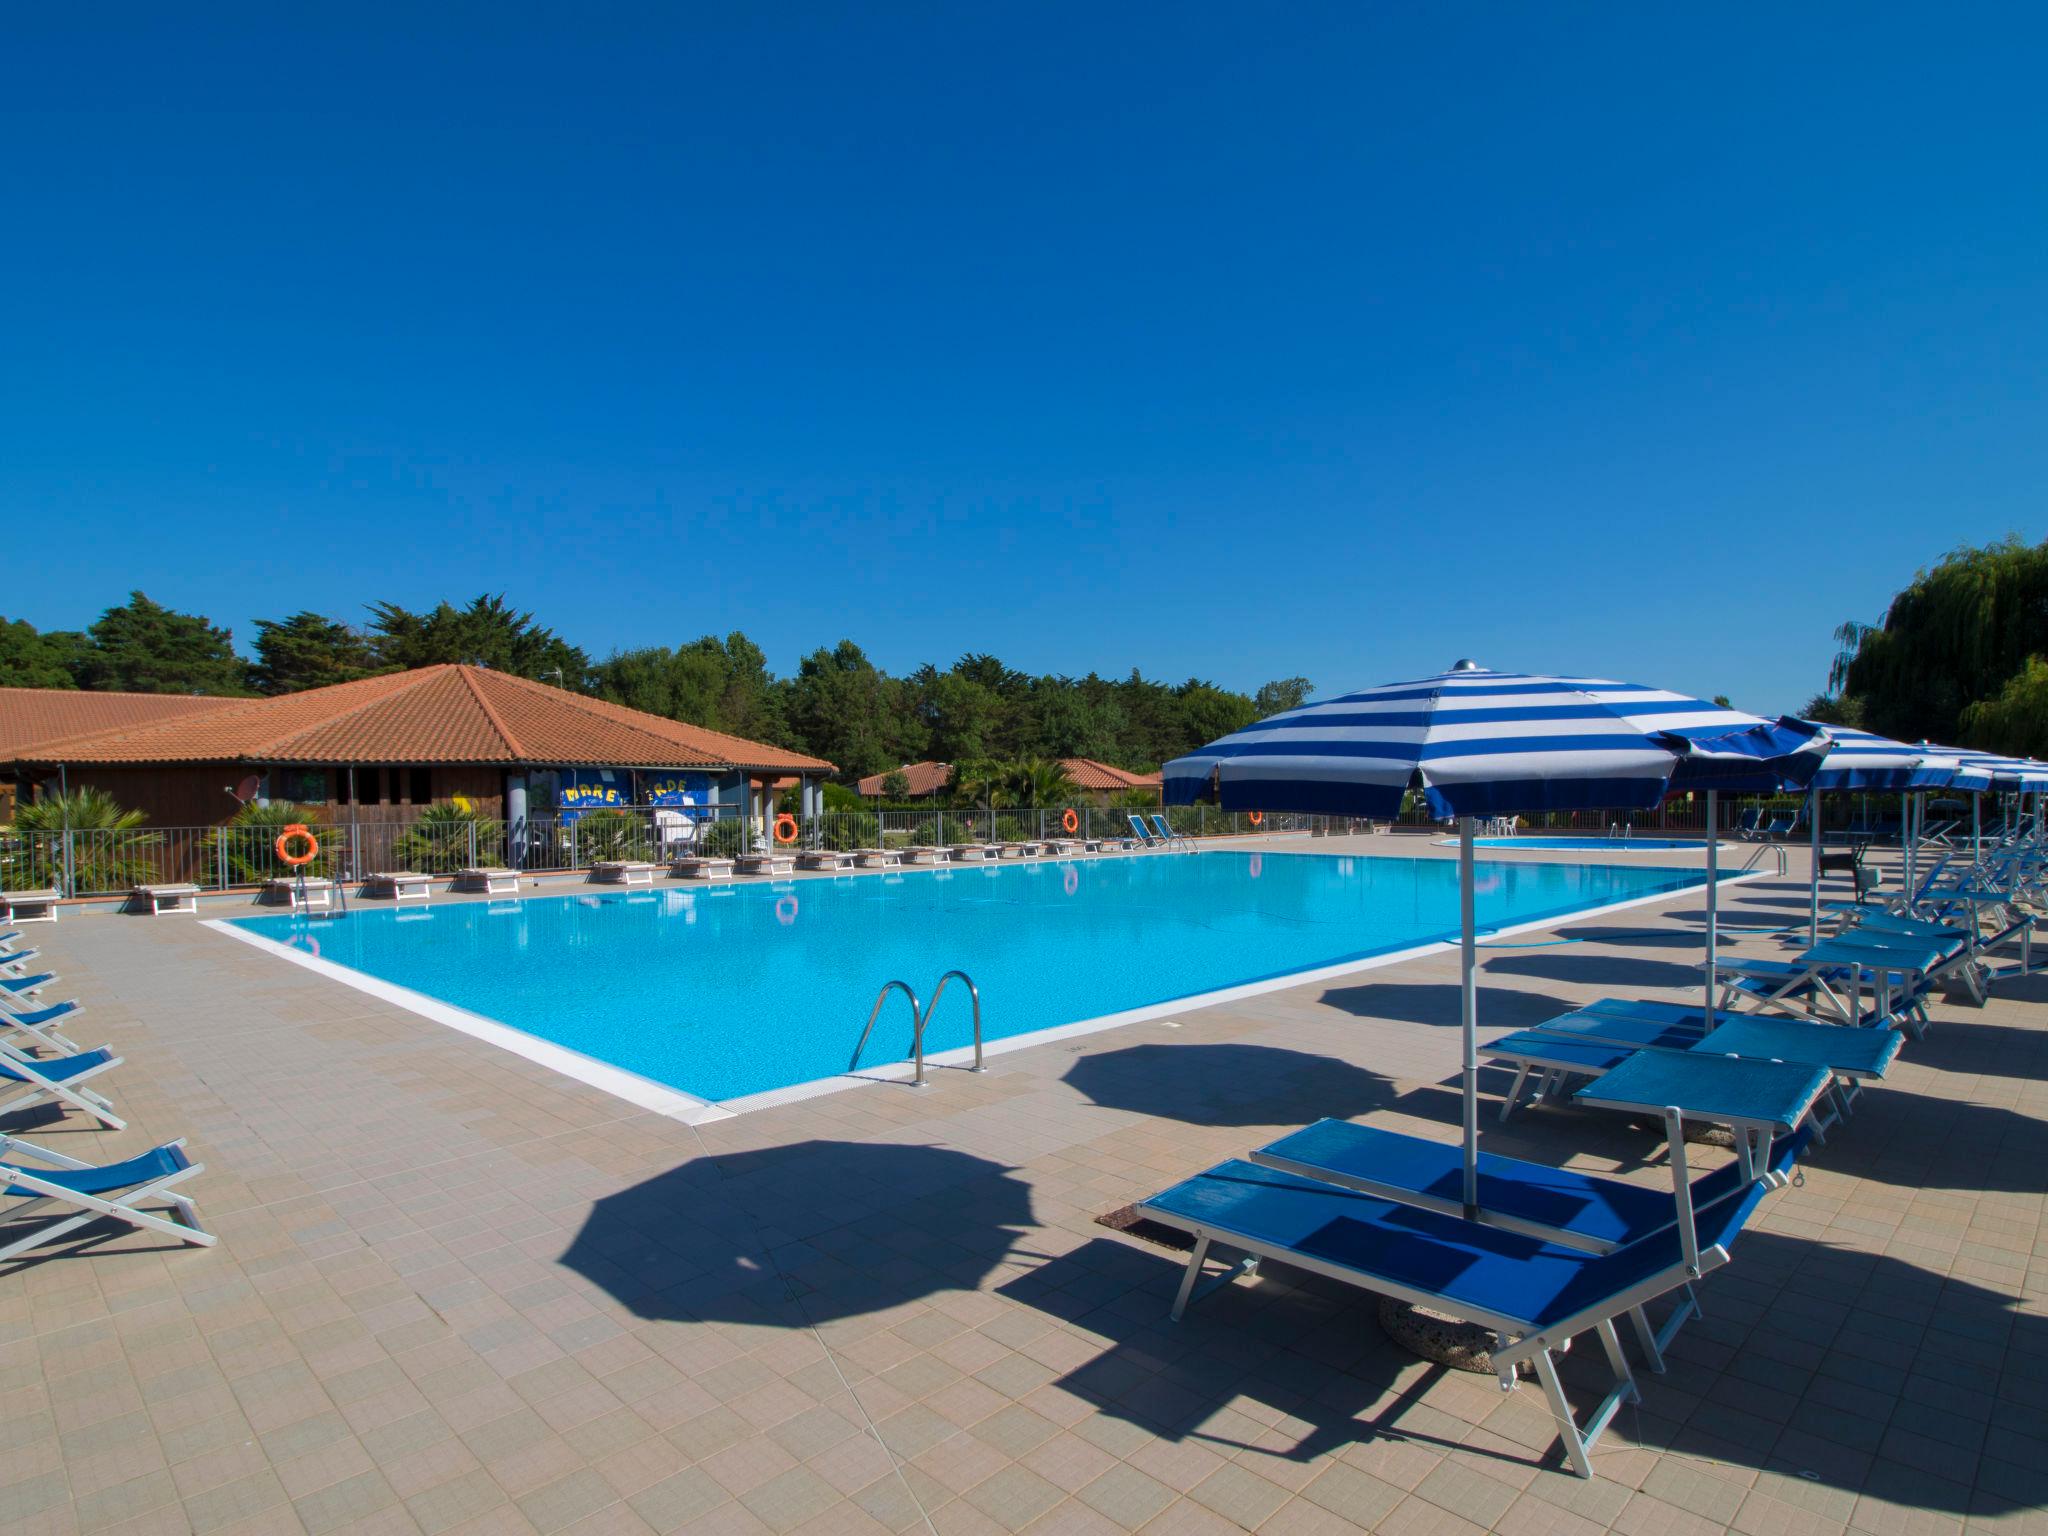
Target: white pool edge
{"x":676,"y":1104}
{"x":642,"y":1092}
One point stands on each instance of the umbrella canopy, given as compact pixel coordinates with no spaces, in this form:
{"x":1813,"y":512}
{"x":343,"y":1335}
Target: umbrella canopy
{"x":1860,"y":760}
{"x":1483,"y":743}
{"x":1494,"y":744}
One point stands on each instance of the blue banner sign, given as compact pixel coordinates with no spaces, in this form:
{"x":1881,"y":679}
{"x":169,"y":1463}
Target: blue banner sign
{"x":579,"y":790}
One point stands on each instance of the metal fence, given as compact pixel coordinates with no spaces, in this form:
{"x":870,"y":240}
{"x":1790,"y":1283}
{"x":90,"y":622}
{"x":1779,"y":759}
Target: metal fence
{"x":98,"y":862}
{"x":93,"y":862}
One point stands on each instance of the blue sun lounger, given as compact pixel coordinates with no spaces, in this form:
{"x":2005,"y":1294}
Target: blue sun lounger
{"x":38,"y":1026}
{"x":15,"y":961}
{"x":92,"y":1194}
{"x":1535,"y":1296}
{"x":59,"y":1079}
{"x":1142,"y":832}
{"x":1556,"y":1205}
{"x":1168,"y":836}
{"x":27,"y":986}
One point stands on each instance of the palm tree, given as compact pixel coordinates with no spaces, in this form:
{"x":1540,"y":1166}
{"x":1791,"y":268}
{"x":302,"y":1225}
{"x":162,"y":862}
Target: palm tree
{"x":107,"y":852}
{"x":1041,"y":782}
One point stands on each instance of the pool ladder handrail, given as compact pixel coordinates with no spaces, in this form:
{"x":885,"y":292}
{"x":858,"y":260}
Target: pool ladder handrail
{"x":920,"y":1018}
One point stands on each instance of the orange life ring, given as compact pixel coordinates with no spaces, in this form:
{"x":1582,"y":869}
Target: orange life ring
{"x":785,"y":828}
{"x":298,"y":829}
{"x":1070,"y":821}
{"x":1256,"y":817}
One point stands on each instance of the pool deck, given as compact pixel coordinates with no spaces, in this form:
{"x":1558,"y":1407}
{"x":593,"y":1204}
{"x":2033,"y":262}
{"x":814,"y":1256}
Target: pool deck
{"x":458,"y":1292}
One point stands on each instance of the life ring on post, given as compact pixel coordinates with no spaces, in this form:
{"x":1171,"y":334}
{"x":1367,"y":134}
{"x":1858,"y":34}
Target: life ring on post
{"x":285,"y":838}
{"x":785,"y":828}
{"x":1070,"y":821}
{"x":1256,"y":817}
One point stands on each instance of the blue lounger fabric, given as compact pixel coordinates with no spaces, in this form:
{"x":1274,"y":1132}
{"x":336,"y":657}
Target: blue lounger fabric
{"x":61,"y":1069}
{"x":111,"y":1179}
{"x":1463,"y":1264}
{"x":1610,"y":1211}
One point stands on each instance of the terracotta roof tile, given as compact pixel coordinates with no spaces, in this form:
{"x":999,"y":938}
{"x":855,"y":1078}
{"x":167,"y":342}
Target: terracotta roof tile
{"x":1087,"y":773}
{"x":32,"y":715}
{"x":445,"y":714}
{"x":925,"y":778}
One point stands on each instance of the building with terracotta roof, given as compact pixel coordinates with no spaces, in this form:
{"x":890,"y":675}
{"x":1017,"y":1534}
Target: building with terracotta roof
{"x":510,"y":746}
{"x":922,"y":780}
{"x":1094,"y":780}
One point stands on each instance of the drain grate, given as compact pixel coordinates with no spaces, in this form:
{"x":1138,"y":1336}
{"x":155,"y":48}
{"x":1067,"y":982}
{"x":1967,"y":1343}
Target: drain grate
{"x":1126,"y":1219}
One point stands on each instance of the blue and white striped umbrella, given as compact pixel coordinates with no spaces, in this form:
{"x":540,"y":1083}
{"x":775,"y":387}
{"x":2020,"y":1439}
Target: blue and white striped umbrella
{"x":1483,"y":743}
{"x":1492,"y":744}
{"x":1861,"y":760}
{"x":2009,"y":774}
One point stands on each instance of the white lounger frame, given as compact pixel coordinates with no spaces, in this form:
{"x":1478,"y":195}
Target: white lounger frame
{"x":36,"y":1193}
{"x":35,"y":1087}
{"x":180,"y":898}
{"x":1517,"y":1345}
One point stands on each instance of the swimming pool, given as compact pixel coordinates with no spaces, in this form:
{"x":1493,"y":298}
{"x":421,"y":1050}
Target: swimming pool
{"x":1593,"y":844}
{"x":723,"y":992}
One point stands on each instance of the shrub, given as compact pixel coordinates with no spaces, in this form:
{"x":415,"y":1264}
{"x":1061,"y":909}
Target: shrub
{"x":607,"y":835}
{"x":852,"y":829}
{"x":250,"y":837}
{"x":108,"y":851}
{"x":439,"y":841}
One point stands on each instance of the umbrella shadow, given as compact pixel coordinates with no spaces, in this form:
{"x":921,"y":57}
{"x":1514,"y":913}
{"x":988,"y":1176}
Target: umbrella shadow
{"x":800,"y":1235}
{"x":1595,"y":970}
{"x":1229,"y":1085}
{"x":1437,"y":1004}
{"x":1309,"y":1351}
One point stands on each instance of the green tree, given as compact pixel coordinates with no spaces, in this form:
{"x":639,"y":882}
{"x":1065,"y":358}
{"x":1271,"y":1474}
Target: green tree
{"x":143,"y":647}
{"x":1953,"y":638}
{"x":895,"y":785}
{"x":723,"y":685}
{"x":2015,"y":719}
{"x":1279,"y":696}
{"x":1208,"y":712}
{"x":1833,"y":709}
{"x":32,"y":660}
{"x":487,"y":633}
{"x":843,"y":708}
{"x":957,"y":716}
{"x":308,"y":650}
{"x":1040,"y":782}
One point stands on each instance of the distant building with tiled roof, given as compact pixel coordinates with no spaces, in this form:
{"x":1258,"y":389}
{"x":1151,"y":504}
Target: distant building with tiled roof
{"x":922,"y":779}
{"x":401,"y":739}
{"x":1092,"y":780}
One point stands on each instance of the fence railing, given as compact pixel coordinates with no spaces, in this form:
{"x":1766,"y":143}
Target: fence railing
{"x":101,"y":862}
{"x":95,"y":862}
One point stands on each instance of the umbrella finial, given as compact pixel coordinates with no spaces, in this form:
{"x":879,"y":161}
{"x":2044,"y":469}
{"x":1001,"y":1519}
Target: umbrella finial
{"x":1466,"y":664}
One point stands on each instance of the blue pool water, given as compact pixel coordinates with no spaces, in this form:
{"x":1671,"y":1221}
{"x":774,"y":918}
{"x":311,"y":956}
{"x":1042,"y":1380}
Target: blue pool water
{"x":1593,"y":844}
{"x":725,"y":991}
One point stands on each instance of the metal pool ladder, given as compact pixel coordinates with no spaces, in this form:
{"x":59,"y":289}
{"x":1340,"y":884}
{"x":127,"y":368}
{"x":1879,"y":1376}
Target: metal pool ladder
{"x":919,"y":1020}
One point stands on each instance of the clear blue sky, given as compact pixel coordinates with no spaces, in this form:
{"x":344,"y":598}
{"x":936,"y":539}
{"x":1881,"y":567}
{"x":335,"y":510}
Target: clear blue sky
{"x":1234,"y":342}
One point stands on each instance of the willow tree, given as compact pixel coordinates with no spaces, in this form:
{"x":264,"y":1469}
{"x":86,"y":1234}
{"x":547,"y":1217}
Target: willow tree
{"x":1953,"y":640}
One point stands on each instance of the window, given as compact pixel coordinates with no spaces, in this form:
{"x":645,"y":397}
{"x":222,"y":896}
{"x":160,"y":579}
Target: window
{"x":422,"y":790}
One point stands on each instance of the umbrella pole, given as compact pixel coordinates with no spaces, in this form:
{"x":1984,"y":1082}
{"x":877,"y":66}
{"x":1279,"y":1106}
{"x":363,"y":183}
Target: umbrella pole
{"x":1713,"y":897}
{"x":1813,"y":838}
{"x":1468,"y":1011}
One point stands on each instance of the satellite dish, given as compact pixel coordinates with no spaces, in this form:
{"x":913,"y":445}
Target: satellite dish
{"x":245,"y":791}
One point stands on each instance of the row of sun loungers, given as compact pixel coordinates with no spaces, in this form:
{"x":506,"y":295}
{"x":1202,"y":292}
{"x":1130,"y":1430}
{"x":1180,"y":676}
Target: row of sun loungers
{"x":1549,"y":1254}
{"x":46,"y":1195}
